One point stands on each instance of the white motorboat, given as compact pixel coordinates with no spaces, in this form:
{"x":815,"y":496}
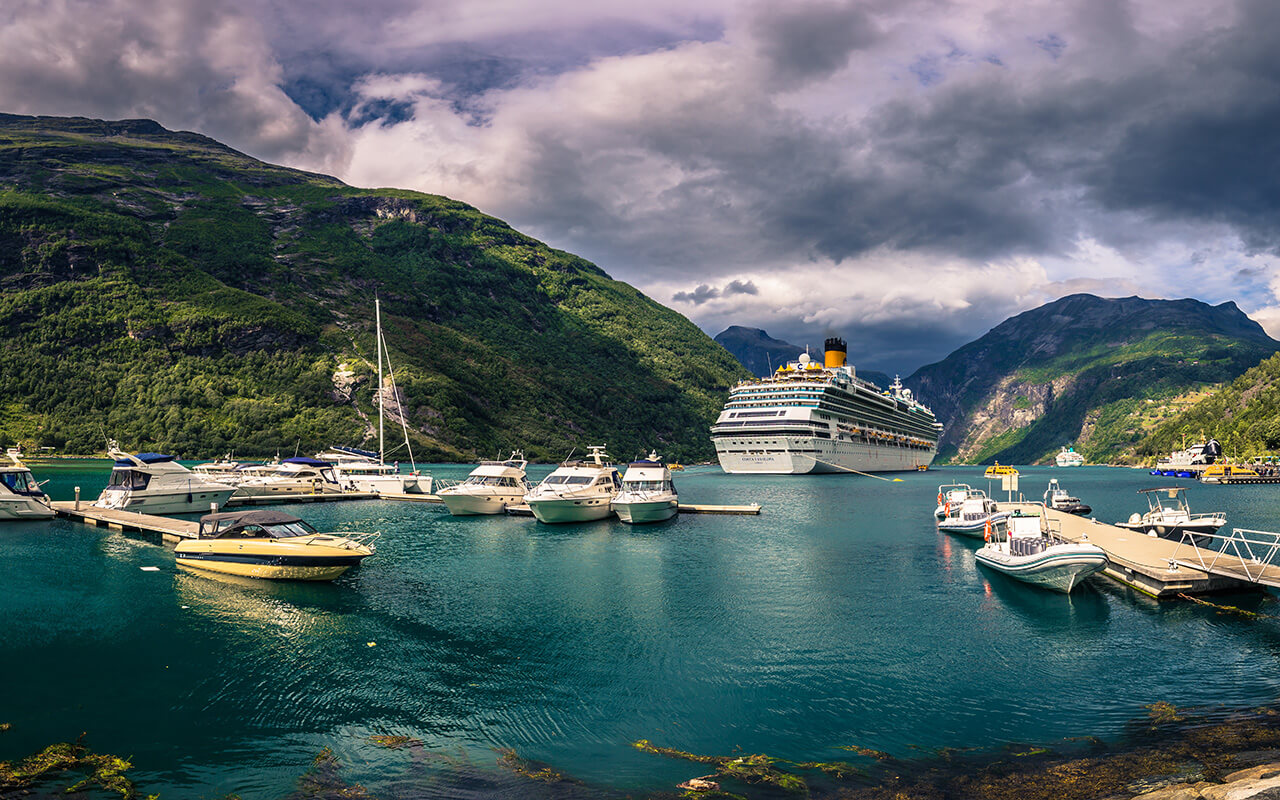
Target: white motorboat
{"x":578,"y":491}
{"x":294,"y":476}
{"x":20,"y":494}
{"x":1173,"y":518}
{"x":489,"y":489}
{"x":974,"y":517}
{"x":1060,"y":499}
{"x":952,"y":495}
{"x":648,"y":494}
{"x":152,"y":483}
{"x":222,"y":470}
{"x":363,"y":471}
{"x":1068,"y":457}
{"x":1023,"y":548}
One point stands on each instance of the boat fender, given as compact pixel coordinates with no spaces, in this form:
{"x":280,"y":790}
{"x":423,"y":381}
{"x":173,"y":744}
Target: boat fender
{"x":939,"y":498}
{"x":946,"y":510}
{"x":986,"y":532}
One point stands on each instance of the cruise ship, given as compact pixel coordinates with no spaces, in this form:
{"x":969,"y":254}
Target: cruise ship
{"x":811,"y":417}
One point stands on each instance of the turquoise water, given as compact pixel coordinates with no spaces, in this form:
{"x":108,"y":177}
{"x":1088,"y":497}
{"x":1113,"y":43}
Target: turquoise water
{"x":840,"y":616}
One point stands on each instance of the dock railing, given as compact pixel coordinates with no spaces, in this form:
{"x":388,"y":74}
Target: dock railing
{"x":1244,"y":550}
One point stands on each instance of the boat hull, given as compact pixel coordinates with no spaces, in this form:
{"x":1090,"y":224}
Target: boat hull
{"x":639,"y":513}
{"x":576,"y":509}
{"x":464,"y":504}
{"x":270,"y":560}
{"x":1060,"y":568}
{"x":180,"y":502}
{"x":286,"y":488}
{"x":974,"y":528}
{"x":24,"y":508}
{"x":799,"y":455}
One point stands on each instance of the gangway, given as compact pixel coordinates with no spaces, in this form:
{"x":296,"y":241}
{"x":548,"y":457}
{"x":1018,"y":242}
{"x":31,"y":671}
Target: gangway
{"x":1244,"y":554}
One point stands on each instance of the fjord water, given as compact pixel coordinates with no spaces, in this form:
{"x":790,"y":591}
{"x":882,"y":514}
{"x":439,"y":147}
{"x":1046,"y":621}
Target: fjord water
{"x":839,"y":616}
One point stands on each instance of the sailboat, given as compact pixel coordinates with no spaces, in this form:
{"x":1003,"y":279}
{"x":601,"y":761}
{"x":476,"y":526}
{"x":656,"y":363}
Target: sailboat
{"x":364,"y":471}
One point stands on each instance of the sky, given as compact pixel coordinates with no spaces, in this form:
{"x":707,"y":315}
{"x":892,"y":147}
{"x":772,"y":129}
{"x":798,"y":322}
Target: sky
{"x":905,"y":174}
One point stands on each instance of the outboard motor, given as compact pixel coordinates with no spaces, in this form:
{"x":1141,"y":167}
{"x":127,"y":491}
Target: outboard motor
{"x":1212,"y":451}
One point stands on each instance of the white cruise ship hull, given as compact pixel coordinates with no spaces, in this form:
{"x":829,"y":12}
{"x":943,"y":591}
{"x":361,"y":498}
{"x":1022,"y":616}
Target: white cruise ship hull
{"x":777,"y":455}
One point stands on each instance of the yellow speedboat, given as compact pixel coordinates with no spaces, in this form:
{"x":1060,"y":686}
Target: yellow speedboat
{"x":997,"y":471}
{"x":271,"y":544}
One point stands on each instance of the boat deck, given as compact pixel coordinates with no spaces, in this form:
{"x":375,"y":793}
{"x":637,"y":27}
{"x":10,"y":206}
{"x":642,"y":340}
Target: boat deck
{"x":1154,"y":566}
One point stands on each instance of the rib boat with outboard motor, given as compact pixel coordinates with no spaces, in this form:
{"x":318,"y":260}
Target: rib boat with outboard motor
{"x":271,"y":544}
{"x":578,"y":491}
{"x":974,"y":517}
{"x":489,"y":489}
{"x":648,"y":493}
{"x":1023,"y":546}
{"x":953,"y":495}
{"x":152,"y":483}
{"x":821,"y":417}
{"x":20,"y":495}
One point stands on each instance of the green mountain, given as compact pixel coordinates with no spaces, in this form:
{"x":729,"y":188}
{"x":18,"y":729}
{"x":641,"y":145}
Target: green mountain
{"x":165,"y":290}
{"x":1243,"y":415}
{"x":1100,"y":373}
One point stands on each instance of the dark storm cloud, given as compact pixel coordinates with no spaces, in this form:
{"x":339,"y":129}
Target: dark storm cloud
{"x":810,"y":40}
{"x":698,"y":296}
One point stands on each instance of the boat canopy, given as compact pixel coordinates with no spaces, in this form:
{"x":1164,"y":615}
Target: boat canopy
{"x":354,"y":451}
{"x":259,"y":524}
{"x":307,"y":462}
{"x":145,"y":458}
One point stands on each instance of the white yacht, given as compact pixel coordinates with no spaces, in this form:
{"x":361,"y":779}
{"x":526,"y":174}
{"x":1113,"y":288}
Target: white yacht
{"x":1171,"y":519}
{"x":363,"y":471}
{"x":489,"y":489}
{"x":1022,"y":548}
{"x":222,"y":470}
{"x":20,"y":495}
{"x":294,"y":476}
{"x":648,"y":494}
{"x":1068,"y":457}
{"x":578,"y":491}
{"x":821,"y":417}
{"x":151,"y":483}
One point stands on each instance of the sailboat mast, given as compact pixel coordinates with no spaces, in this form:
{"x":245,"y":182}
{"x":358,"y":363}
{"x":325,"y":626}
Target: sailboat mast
{"x":377,"y":313}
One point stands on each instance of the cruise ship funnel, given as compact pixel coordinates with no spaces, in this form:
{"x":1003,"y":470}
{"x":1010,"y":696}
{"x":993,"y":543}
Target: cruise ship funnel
{"x":836,"y":352}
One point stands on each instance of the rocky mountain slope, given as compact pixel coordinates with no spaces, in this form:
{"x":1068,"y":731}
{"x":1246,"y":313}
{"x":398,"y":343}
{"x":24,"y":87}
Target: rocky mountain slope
{"x":165,"y":290}
{"x":761,"y":353}
{"x":1101,"y":373}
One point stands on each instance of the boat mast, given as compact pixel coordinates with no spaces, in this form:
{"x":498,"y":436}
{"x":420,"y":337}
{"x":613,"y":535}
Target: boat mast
{"x":377,"y":313}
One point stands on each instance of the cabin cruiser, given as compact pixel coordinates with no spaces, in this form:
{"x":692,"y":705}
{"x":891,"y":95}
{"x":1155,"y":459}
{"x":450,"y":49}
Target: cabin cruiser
{"x":1068,"y":457}
{"x":489,"y":489}
{"x":578,"y":491}
{"x":1173,"y":518}
{"x":974,"y":517}
{"x":20,"y":495}
{"x":151,"y":483}
{"x":363,"y":471}
{"x":271,"y":544}
{"x":952,"y":495}
{"x":222,"y":470}
{"x":1060,"y":499}
{"x":648,"y":494}
{"x":294,"y":476}
{"x":1022,"y":548}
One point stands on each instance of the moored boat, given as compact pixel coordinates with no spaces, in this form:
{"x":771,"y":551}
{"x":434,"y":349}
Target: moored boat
{"x":293,"y":476}
{"x":1225,"y":473}
{"x":1060,"y":499}
{"x":1022,"y":547}
{"x":998,"y":470}
{"x":152,"y":483}
{"x":489,"y":489}
{"x":577,"y":491}
{"x":953,"y":495}
{"x":271,"y":544}
{"x":1170,"y":516}
{"x":20,"y":494}
{"x":648,"y":493}
{"x":976,"y":516}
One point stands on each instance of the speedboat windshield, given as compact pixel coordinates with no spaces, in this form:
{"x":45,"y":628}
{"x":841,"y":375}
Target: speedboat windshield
{"x":288,"y":529}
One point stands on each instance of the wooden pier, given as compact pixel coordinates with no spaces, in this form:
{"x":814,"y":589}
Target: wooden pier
{"x":1154,"y":566}
{"x":169,"y":530}
{"x":683,"y":508}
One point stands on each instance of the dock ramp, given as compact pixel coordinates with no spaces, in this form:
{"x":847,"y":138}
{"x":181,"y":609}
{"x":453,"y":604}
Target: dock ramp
{"x":1244,"y":554}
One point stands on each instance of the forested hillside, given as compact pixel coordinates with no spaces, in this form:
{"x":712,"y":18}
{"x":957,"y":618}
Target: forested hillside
{"x":164,"y":290}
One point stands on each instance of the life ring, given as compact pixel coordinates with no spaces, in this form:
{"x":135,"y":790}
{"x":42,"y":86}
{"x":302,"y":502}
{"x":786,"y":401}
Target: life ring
{"x":947,"y":509}
{"x":986,"y":532}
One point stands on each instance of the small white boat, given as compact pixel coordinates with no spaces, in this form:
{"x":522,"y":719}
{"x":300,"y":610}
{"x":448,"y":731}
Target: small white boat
{"x":648,"y":494}
{"x":952,"y":495}
{"x":1068,"y":457}
{"x":974,"y":517}
{"x":1173,"y":518}
{"x":363,"y":471}
{"x":271,"y":544}
{"x":1060,"y":499}
{"x":20,"y":495}
{"x":293,"y":476}
{"x":1022,"y":548}
{"x":151,"y":483}
{"x":489,"y":489}
{"x":578,"y":491}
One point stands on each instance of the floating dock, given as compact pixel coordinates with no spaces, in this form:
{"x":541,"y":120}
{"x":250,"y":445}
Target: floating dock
{"x":170,"y":530}
{"x":412,"y":498}
{"x":279,"y":499}
{"x":683,"y":508}
{"x":1158,"y":567}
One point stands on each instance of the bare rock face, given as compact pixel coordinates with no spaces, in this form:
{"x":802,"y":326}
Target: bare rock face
{"x":1255,"y":783}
